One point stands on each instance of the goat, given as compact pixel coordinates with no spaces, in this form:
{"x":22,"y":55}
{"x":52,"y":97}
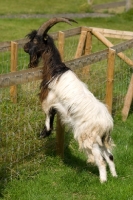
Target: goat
{"x":63,"y":92}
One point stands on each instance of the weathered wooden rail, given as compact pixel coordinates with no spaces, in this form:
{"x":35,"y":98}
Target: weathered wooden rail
{"x":21,"y":42}
{"x":34,"y":74}
{"x":72,"y":32}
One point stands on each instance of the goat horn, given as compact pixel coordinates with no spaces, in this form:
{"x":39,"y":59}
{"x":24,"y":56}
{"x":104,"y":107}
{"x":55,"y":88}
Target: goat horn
{"x":47,"y":25}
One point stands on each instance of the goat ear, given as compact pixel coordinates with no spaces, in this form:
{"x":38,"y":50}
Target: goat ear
{"x":32,"y":34}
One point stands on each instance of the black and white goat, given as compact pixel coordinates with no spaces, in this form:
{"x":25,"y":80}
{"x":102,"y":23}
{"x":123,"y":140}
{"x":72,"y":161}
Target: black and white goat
{"x":63,"y":92}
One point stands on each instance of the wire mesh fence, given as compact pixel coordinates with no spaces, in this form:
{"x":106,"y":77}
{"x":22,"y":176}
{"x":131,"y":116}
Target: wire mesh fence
{"x":20,"y":123}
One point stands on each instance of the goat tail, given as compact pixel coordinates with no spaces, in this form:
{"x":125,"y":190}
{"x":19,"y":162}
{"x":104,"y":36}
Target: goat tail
{"x":107,"y":141}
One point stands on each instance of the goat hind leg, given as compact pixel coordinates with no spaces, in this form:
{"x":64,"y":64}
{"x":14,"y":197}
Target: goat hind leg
{"x":109,"y":159}
{"x":100,"y":162}
{"x":90,"y":157}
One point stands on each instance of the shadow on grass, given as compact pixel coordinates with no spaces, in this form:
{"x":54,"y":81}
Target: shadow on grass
{"x":75,"y":160}
{"x":79,"y":164}
{"x":4,"y":177}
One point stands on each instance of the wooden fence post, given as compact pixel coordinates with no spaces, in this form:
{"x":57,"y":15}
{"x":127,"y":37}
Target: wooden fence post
{"x":13,"y":68}
{"x":90,"y":2}
{"x":60,"y":135}
{"x":80,"y":51}
{"x":109,"y":44}
{"x":61,"y":42}
{"x":88,"y":47}
{"x":128,"y":5}
{"x":128,"y":100}
{"x":110,"y":79}
{"x":60,"y":129}
{"x":88,"y":44}
{"x":81,"y":44}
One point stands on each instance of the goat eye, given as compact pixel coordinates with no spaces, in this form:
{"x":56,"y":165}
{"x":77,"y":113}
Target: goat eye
{"x":35,"y":41}
{"x":45,"y":38}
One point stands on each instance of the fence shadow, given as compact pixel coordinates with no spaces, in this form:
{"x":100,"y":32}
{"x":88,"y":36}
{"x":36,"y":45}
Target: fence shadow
{"x":4,"y":178}
{"x":70,"y":159}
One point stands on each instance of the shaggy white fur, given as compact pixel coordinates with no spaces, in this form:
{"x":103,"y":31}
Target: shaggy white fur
{"x":89,"y":118}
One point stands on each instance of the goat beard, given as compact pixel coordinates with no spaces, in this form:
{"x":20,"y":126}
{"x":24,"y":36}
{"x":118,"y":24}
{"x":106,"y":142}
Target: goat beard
{"x":33,"y":61}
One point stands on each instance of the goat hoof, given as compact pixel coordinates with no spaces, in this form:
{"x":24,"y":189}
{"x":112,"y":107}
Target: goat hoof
{"x":44,"y":134}
{"x":41,"y":136}
{"x":103,"y":180}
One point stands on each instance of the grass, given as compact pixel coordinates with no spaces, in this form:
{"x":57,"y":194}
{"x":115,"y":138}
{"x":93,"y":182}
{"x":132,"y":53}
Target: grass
{"x":36,"y":172}
{"x":19,"y":28}
{"x":74,"y":179}
{"x":41,"y":7}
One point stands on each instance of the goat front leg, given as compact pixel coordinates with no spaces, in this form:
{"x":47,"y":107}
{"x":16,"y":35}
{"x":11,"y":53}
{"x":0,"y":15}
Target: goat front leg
{"x":48,"y":127}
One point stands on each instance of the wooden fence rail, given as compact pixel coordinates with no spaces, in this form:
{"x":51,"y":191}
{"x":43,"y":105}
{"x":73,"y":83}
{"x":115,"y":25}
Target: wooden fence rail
{"x":21,"y":42}
{"x":28,"y":75}
{"x":126,"y":35}
{"x":72,"y":32}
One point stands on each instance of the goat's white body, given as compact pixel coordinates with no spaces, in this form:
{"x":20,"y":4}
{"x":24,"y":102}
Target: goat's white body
{"x":79,"y":108}
{"x":88,"y":117}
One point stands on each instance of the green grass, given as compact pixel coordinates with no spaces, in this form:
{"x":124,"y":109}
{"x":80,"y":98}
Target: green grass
{"x":74,"y":179}
{"x":31,"y":6}
{"x":19,"y":28}
{"x":30,"y":169}
{"x":42,"y":7}
{"x":12,"y":29}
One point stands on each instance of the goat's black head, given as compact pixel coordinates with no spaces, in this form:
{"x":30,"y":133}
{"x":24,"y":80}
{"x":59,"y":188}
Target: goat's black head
{"x":35,"y":47}
{"x":39,"y":40}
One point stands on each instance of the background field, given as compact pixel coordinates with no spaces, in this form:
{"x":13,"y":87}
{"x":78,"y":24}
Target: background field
{"x":48,"y":177}
{"x":46,"y":7}
{"x":16,"y":28}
